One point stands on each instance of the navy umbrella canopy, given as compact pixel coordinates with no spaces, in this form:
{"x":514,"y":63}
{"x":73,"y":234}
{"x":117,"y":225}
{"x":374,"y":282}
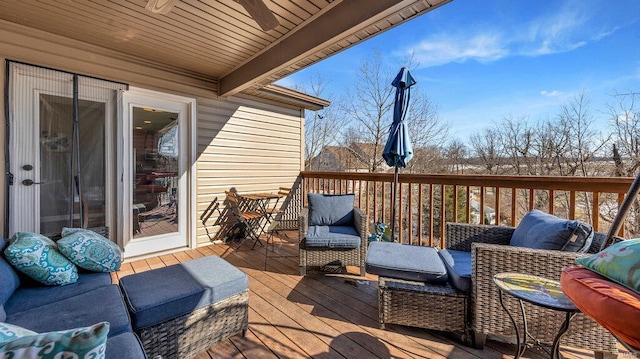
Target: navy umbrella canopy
{"x":398,"y":151}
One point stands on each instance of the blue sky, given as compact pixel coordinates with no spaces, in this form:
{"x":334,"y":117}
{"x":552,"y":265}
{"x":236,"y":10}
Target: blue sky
{"x":481,"y":61}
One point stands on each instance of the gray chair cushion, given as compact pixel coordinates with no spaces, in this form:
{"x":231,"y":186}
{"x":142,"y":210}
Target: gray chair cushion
{"x":332,"y":237}
{"x":395,"y":260}
{"x":541,"y":230}
{"x":124,"y":346}
{"x":35,"y":294}
{"x":104,"y":304}
{"x":9,"y":278}
{"x":330,"y":210}
{"x":458,"y":265}
{"x":166,"y":293}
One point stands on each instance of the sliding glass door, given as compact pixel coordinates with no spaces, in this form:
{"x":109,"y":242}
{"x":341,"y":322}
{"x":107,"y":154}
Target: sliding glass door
{"x":61,"y":173}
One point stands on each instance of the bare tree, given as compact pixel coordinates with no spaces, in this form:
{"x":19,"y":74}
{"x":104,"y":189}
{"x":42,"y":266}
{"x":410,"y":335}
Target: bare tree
{"x":625,"y":118}
{"x":456,"y":155}
{"x":583,"y":142}
{"x":486,"y":147}
{"x":323,"y":127}
{"x":369,"y":105}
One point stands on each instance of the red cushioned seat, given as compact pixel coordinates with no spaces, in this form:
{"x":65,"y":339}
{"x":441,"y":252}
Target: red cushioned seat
{"x":613,"y":306}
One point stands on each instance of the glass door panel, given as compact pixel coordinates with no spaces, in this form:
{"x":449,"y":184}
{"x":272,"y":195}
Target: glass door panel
{"x":156,"y":176}
{"x":57,"y":186}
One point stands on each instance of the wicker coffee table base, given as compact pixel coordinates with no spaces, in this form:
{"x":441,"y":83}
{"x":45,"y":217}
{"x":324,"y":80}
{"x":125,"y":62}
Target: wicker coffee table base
{"x":430,"y":306}
{"x":191,"y":334}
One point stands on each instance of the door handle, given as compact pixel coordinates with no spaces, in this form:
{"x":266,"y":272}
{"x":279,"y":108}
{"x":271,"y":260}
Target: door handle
{"x":29,"y":182}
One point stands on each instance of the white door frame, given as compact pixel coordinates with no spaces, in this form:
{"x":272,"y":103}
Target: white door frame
{"x":186,"y":108}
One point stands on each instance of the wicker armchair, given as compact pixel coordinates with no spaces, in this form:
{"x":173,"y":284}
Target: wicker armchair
{"x":490,"y":255}
{"x":321,"y":256}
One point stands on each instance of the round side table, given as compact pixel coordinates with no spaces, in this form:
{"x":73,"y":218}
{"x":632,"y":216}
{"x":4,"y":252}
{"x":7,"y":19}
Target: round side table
{"x":538,"y":291}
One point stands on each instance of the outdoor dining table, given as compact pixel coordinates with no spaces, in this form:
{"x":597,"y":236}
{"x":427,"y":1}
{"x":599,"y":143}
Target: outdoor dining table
{"x":259,"y":203}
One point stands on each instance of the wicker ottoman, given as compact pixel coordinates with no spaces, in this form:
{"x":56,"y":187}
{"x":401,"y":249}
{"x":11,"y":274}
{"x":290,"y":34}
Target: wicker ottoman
{"x":181,"y":310}
{"x":431,"y":306}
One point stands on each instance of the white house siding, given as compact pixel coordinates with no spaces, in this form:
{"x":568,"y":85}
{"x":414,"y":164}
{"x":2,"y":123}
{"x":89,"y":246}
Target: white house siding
{"x":242,"y":143}
{"x":246,"y":146}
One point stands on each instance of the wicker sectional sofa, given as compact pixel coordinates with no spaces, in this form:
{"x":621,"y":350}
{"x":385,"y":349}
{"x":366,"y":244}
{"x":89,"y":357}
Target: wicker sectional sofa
{"x":92,"y":299}
{"x":492,"y":254}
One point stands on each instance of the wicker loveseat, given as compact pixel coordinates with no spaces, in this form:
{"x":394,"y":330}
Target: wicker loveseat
{"x":492,"y":254}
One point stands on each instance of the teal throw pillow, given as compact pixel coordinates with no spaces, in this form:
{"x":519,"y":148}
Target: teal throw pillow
{"x":37,"y":256}
{"x":10,"y":332}
{"x":89,"y":250}
{"x":619,"y":262}
{"x":87,"y":342}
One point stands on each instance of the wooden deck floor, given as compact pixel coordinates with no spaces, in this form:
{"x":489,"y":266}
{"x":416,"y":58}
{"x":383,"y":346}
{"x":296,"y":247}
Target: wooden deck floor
{"x":321,"y":316}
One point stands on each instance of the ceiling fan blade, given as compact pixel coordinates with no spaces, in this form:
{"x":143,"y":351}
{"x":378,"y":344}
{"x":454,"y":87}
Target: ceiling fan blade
{"x":160,"y":6}
{"x":260,"y":13}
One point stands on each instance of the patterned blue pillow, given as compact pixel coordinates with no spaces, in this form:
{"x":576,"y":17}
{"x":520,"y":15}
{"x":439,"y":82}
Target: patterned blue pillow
{"x":37,"y":256}
{"x":11,"y":332}
{"x":619,"y":262}
{"x":87,"y":342}
{"x":89,"y":250}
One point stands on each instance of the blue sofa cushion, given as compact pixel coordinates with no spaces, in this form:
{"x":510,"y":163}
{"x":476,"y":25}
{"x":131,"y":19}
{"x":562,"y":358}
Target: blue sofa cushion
{"x":458,"y":265}
{"x":35,"y":295}
{"x":402,"y":261}
{"x":332,"y":237}
{"x":9,"y":278}
{"x":124,"y":346}
{"x":330,"y":210}
{"x":166,"y":293}
{"x":540,"y":230}
{"x":104,"y":304}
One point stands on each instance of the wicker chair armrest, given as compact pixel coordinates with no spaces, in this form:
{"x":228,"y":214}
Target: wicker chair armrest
{"x":303,"y":223}
{"x":460,"y":236}
{"x":360,"y":222}
{"x":490,"y":259}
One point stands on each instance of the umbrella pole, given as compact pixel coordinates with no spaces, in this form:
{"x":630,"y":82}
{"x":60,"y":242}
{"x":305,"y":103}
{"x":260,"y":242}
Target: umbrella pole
{"x":393,"y":205}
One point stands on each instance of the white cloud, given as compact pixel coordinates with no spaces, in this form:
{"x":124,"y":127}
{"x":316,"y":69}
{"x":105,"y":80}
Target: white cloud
{"x":445,"y":49}
{"x":554,"y":93}
{"x":569,"y":28}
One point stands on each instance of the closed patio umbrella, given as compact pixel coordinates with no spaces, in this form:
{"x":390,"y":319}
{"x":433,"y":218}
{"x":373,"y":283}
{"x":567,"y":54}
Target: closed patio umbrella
{"x":398,"y":151}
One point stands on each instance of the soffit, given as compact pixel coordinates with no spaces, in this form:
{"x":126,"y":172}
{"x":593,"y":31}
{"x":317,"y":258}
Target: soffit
{"x":217,"y":39}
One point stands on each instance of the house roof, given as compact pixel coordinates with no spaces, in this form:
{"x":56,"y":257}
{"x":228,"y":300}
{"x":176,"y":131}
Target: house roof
{"x":216,"y":40}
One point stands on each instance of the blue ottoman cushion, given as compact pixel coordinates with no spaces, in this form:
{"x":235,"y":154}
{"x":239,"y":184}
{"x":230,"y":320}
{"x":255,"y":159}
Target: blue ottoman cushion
{"x":75,"y":312}
{"x":458,"y":265}
{"x":332,"y":237}
{"x":36,"y":294}
{"x":125,"y":346}
{"x":165,"y":293}
{"x":401,"y":261}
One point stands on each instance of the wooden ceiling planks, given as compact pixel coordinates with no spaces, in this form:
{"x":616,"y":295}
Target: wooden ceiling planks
{"x":213,"y":38}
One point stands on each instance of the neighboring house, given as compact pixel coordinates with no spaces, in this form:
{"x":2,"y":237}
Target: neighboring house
{"x":173,"y":109}
{"x":489,"y":213}
{"x":338,"y":159}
